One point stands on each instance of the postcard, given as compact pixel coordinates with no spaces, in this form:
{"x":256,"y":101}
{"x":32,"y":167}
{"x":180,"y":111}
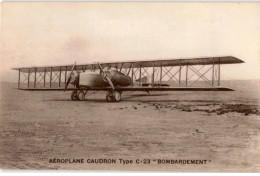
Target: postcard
{"x":130,"y":86}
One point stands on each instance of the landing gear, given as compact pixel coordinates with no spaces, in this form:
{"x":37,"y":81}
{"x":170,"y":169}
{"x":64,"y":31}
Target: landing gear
{"x":81,"y":95}
{"x":113,"y":96}
{"x":74,"y":96}
{"x":78,"y":95}
{"x":109,"y":96}
{"x":117,"y":96}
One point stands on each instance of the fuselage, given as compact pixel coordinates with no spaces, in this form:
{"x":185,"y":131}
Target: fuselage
{"x":93,"y":79}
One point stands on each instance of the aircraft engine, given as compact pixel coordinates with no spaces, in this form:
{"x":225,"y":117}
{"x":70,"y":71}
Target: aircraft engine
{"x":74,"y":78}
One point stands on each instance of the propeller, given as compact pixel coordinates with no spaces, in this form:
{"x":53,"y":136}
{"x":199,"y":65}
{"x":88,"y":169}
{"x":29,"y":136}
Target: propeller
{"x":105,"y":77}
{"x":69,"y":78}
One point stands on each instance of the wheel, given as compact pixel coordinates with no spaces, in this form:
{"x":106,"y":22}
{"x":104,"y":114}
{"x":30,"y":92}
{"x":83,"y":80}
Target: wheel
{"x":74,"y":96}
{"x":81,"y":95}
{"x":117,"y":96}
{"x":109,"y":96}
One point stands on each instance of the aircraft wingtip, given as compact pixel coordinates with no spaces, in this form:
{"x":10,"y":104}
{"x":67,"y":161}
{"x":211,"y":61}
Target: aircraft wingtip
{"x":238,"y":60}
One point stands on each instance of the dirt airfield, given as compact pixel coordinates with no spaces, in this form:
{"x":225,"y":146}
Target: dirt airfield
{"x":220,"y":127}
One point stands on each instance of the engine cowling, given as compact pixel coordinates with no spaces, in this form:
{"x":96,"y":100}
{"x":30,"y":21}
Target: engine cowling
{"x":74,"y":78}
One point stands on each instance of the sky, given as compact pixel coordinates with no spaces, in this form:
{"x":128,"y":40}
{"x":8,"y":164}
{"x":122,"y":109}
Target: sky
{"x":38,"y":34}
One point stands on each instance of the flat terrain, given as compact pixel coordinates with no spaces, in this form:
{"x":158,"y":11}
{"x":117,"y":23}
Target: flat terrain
{"x":220,"y":127}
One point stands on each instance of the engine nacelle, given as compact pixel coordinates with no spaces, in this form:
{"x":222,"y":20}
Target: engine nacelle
{"x":74,"y":79}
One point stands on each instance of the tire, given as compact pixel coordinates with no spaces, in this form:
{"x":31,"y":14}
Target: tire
{"x":117,"y":96}
{"x":109,"y":96}
{"x":81,"y":95}
{"x":74,"y":96}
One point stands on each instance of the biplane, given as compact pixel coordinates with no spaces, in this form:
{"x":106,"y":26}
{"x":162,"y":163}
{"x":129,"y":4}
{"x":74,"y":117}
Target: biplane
{"x":195,"y":74}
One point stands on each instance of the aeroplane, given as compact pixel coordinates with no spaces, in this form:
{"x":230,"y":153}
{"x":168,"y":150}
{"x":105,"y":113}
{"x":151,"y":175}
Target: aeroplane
{"x":118,"y":77}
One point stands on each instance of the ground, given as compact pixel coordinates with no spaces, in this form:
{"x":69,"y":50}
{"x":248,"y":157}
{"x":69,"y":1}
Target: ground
{"x":220,"y":127}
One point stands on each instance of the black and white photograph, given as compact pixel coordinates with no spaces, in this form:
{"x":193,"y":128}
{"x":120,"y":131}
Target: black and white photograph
{"x":130,"y":86}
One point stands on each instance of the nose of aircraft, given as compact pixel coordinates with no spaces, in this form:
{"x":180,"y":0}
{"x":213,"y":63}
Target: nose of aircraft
{"x":120,"y":79}
{"x":125,"y":80}
{"x":74,"y":78}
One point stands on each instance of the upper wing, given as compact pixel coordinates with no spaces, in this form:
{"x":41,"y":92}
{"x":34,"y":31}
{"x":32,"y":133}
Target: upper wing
{"x":137,"y":64}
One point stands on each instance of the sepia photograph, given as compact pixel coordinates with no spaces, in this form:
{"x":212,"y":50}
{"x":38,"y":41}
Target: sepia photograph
{"x":130,"y":86}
